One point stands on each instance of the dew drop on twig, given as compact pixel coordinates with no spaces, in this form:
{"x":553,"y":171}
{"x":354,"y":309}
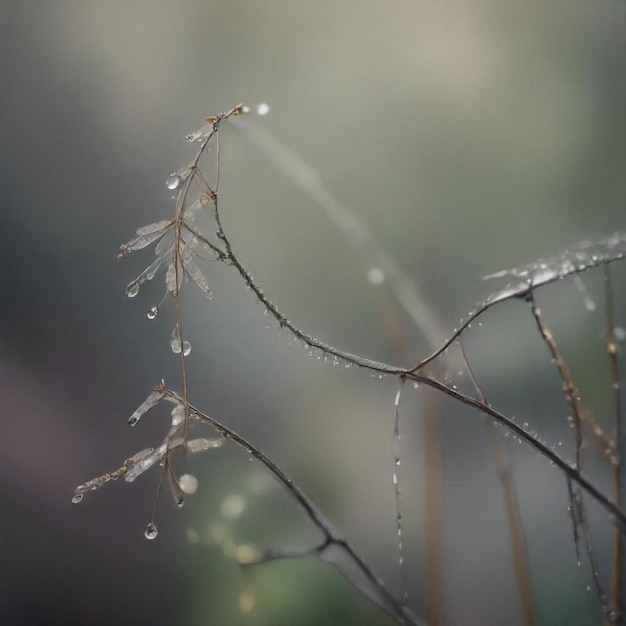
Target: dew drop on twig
{"x":186,"y":348}
{"x":132,"y":289}
{"x":172,"y":181}
{"x":76,"y":498}
{"x":152,"y":313}
{"x":151,"y":531}
{"x":175,"y":340}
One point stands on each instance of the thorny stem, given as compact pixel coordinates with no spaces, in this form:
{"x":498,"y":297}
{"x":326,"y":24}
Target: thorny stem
{"x":617,"y":590}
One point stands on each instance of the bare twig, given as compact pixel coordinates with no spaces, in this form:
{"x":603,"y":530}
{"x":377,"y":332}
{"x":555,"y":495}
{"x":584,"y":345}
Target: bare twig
{"x":519,"y":549}
{"x":617,"y":585}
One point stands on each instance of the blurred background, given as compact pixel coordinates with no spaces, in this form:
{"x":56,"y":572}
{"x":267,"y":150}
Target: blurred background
{"x":468,"y":137}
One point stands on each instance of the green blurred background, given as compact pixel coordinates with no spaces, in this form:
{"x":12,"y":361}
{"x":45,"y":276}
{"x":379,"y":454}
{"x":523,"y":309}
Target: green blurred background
{"x":467,"y":136}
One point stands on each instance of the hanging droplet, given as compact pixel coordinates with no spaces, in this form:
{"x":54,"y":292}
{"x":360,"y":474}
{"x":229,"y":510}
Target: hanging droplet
{"x":262,"y":108}
{"x":188,"y":484}
{"x":132,"y":420}
{"x":132,"y":289}
{"x":180,"y":501}
{"x":152,"y":312}
{"x":172,"y":181}
{"x":77,"y":497}
{"x":151,"y":531}
{"x":178,"y":414}
{"x":186,"y":348}
{"x":175,"y":340}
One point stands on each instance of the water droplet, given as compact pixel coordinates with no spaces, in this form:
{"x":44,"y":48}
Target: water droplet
{"x":77,"y":497}
{"x":132,"y":289}
{"x":525,"y":425}
{"x":152,"y":312}
{"x":175,"y":340}
{"x":180,"y":501}
{"x":173,"y":180}
{"x":186,"y":348}
{"x":133,"y":420}
{"x":588,"y":588}
{"x":178,"y":414}
{"x":188,"y":484}
{"x":151,"y":531}
{"x":262,"y":108}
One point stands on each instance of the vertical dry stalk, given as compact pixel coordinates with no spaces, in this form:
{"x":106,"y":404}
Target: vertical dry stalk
{"x":617,"y":581}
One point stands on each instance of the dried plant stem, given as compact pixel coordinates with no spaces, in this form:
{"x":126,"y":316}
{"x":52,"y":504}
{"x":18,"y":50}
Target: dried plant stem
{"x":413,"y":374}
{"x":347,"y":222}
{"x":434,"y":601}
{"x":572,"y":396}
{"x":617,"y":581}
{"x":524,"y":287}
{"x":519,"y":549}
{"x":331,"y":536}
{"x":406,"y":293}
{"x":181,"y":265}
{"x":570,"y":391}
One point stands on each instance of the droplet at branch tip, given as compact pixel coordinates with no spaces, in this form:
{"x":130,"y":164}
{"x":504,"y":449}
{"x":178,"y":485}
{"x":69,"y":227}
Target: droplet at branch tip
{"x":132,"y":289}
{"x":151,"y":531}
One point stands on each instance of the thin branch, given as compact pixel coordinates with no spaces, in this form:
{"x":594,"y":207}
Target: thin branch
{"x":617,"y":585}
{"x":331,"y":536}
{"x":570,"y":391}
{"x":519,"y":549}
{"x":413,"y":374}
